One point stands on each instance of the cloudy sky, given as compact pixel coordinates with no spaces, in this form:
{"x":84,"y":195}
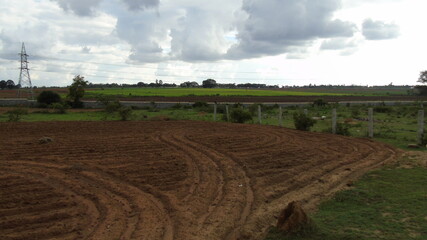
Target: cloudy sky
{"x":284,"y":42}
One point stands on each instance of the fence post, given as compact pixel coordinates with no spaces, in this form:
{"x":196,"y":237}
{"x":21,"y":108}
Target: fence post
{"x":280,"y":116}
{"x":334,"y":121}
{"x":306,"y":112}
{"x":215,"y":107}
{"x":227,"y":112}
{"x":420,"y":127}
{"x":371,"y":122}
{"x":259,"y":114}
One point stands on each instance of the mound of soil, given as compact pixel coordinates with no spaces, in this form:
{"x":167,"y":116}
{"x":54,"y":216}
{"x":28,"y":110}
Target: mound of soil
{"x":292,"y":219}
{"x":167,"y":180}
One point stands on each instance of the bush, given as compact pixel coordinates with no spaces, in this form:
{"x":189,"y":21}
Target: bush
{"x":319,"y":103}
{"x":60,"y":108}
{"x":105,"y":99}
{"x":343,"y":129}
{"x":303,"y":122}
{"x":48,"y":97}
{"x":200,"y":105}
{"x":125,"y":113}
{"x":239,"y":115}
{"x":177,"y":106}
{"x":355,"y":113}
{"x":112,"y":106}
{"x":15,"y":115}
{"x":383,"y":109}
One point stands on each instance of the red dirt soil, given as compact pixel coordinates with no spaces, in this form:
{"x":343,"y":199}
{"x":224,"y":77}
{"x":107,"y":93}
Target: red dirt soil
{"x":167,"y":180}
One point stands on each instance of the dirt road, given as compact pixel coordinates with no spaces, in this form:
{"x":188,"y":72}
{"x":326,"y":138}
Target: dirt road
{"x":166,"y":180}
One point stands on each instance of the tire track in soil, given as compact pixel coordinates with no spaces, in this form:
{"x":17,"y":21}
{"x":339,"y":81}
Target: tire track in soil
{"x":168,"y":180}
{"x":207,"y":187}
{"x":109,"y":199}
{"x":237,"y":179}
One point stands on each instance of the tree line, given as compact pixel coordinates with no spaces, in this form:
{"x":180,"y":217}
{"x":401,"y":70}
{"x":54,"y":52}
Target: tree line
{"x":208,"y":83}
{"x":9,"y":84}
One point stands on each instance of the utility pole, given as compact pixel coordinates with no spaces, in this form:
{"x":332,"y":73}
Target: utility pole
{"x":24,"y":76}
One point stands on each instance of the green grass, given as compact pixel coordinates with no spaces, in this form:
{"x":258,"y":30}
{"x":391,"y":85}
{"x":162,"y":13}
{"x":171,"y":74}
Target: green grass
{"x":137,"y":115}
{"x":385,"y":204}
{"x":376,"y":91}
{"x":180,"y":92}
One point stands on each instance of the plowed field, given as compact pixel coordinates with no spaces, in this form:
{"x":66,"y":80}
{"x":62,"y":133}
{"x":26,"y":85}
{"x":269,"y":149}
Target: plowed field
{"x":166,"y":180}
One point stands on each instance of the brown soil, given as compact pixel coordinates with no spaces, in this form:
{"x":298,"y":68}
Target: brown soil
{"x":292,"y":219}
{"x":167,"y":180}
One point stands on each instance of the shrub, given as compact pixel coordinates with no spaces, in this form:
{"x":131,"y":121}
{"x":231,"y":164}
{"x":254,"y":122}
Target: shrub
{"x":239,"y":115}
{"x":383,"y":109}
{"x":319,"y":103}
{"x":59,"y":107}
{"x":343,"y":129}
{"x":355,"y":113}
{"x":112,"y":106}
{"x":125,"y":113}
{"x":15,"y":115}
{"x":105,"y":99}
{"x":177,"y":106}
{"x":48,"y":97}
{"x":303,"y":122}
{"x":200,"y":104}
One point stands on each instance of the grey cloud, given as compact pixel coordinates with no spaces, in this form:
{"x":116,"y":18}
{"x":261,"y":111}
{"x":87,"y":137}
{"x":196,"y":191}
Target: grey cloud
{"x":144,"y":32}
{"x":378,"y":30}
{"x":85,"y":49}
{"x":338,"y":44}
{"x":272,"y":26}
{"x":137,"y":5}
{"x":79,"y":7}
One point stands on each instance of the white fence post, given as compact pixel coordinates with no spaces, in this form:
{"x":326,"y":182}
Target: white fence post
{"x":215,"y":110}
{"x":334,"y":121}
{"x":371,"y":122}
{"x":280,"y":116}
{"x":259,"y":114}
{"x":420,"y":127}
{"x":227,"y":112}
{"x":306,"y":112}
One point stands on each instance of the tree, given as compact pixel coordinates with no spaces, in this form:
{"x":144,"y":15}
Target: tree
{"x":3,"y":84}
{"x":423,"y":77}
{"x":421,"y":89}
{"x":48,"y":97}
{"x":10,"y":84}
{"x":77,"y":91}
{"x":303,"y":122}
{"x":209,"y":83}
{"x":189,"y":85}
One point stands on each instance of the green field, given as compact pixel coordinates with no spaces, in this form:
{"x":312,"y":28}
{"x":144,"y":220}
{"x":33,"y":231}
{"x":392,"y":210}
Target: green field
{"x":181,"y":92}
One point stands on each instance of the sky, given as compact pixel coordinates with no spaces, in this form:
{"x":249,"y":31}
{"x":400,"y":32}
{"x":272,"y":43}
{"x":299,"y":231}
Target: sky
{"x":275,"y":42}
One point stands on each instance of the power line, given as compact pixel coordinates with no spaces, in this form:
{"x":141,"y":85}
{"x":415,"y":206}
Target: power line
{"x":176,"y":76}
{"x":144,"y":67}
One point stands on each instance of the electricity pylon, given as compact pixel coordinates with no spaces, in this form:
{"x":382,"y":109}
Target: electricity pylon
{"x":24,"y":76}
